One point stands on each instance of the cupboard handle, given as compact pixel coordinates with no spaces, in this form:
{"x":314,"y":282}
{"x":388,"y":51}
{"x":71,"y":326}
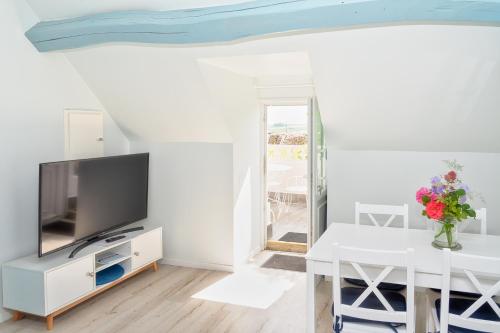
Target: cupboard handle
{"x":136,"y":253}
{"x":90,"y":274}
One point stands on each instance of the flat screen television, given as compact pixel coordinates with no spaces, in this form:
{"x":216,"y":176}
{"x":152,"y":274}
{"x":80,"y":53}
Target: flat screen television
{"x":82,"y":199}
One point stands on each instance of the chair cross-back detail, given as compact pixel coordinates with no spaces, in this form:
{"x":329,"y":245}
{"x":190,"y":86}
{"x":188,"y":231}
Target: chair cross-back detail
{"x":362,"y":303}
{"x":481,"y":314}
{"x":372,"y":286}
{"x":392,"y":211}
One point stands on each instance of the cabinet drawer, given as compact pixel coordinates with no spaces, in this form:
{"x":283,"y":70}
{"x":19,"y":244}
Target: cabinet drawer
{"x":146,"y":248}
{"x":69,"y":282}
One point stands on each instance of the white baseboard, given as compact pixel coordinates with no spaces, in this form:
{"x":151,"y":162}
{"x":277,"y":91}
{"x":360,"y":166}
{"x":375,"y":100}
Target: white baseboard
{"x":254,"y":252}
{"x":4,"y":315}
{"x":199,"y":265}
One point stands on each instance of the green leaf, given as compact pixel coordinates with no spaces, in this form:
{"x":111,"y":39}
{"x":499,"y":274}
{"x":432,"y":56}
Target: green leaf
{"x":460,"y":192}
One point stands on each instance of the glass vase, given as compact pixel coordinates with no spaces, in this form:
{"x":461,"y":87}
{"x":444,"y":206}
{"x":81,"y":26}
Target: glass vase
{"x":446,"y":235}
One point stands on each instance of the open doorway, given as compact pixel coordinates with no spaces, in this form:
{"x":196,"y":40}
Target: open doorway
{"x":286,"y":177}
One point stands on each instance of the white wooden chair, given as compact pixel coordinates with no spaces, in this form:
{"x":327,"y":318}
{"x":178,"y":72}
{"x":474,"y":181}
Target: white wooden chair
{"x":481,"y":217}
{"x":371,"y":309}
{"x":296,"y":185}
{"x":481,"y":314}
{"x":392,"y":211}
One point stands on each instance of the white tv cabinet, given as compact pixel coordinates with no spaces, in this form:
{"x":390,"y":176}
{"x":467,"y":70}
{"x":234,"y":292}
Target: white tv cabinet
{"x":51,"y":285}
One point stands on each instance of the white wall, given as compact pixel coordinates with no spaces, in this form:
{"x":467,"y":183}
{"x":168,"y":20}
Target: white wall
{"x":190,"y":196}
{"x":34,"y":90}
{"x":418,"y":88}
{"x":393,"y":177}
{"x":237,"y":98}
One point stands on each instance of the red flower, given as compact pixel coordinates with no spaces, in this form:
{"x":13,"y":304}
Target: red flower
{"x":434,"y":209}
{"x":451,"y":176}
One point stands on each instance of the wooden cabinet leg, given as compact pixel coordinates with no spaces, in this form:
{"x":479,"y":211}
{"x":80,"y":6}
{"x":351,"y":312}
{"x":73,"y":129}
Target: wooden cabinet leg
{"x":50,"y":322}
{"x":155,"y":266}
{"x":17,"y":315}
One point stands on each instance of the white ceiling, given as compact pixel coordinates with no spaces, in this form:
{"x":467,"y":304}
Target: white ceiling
{"x":265,"y":65}
{"x":424,"y":88}
{"x":58,"y":9}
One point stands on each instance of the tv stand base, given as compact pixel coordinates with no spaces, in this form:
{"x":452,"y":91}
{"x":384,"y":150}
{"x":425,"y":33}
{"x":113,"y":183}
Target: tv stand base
{"x":48,"y":287}
{"x":17,"y":315}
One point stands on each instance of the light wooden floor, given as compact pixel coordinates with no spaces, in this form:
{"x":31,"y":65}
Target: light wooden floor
{"x":161,"y":302}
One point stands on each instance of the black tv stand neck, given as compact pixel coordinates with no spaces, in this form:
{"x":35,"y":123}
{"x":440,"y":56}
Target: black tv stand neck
{"x":101,"y":237}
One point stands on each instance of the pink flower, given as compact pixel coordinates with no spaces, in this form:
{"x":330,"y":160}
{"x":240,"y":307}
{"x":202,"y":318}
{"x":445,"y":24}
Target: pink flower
{"x":434,"y":210}
{"x":423,"y":191}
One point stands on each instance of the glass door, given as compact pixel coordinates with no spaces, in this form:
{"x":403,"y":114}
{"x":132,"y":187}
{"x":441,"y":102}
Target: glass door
{"x":287,"y":177}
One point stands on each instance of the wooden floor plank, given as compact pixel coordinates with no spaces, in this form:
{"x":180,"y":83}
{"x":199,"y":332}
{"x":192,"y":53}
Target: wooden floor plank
{"x":161,"y":302}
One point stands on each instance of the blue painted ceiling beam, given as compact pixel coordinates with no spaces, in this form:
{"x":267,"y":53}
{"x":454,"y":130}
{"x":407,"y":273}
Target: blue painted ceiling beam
{"x":253,"y":19}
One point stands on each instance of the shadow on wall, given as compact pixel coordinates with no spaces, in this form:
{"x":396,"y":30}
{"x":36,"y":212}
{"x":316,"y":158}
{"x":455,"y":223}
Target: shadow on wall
{"x":243,"y":217}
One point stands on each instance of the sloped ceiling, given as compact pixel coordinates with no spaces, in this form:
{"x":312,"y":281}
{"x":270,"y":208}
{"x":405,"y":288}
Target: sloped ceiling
{"x":413,"y":87}
{"x":428,"y":88}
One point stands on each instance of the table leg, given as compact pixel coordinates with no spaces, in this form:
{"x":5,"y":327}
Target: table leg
{"x":311,"y":298}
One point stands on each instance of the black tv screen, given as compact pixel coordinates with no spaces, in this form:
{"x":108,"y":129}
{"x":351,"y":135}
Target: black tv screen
{"x":81,"y":199}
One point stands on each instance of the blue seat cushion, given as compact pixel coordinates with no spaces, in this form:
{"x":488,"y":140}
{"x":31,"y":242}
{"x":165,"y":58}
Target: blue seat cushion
{"x":351,"y":294}
{"x":381,"y":286}
{"x":459,"y":305}
{"x":459,"y":293}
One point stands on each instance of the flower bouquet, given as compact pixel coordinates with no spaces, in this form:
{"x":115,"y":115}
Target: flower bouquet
{"x":446,"y":203}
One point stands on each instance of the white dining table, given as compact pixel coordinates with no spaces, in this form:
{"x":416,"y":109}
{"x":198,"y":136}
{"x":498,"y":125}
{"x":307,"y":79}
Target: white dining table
{"x":428,"y":260}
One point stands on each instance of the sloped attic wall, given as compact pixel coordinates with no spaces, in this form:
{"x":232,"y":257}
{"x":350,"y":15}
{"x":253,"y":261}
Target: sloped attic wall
{"x":423,"y":88}
{"x":402,"y":81}
{"x":156,"y":95}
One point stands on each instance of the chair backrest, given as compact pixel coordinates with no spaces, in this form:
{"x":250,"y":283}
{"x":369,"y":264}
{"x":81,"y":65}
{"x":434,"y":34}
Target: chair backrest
{"x":388,"y":261}
{"x":392,"y":211}
{"x":470,"y":265}
{"x":481,"y":217}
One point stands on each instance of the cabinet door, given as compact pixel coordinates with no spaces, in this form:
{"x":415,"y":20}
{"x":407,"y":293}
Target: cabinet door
{"x":146,"y":248}
{"x":69,"y":283}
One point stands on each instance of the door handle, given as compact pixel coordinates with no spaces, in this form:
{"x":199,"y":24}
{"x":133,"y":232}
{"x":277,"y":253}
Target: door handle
{"x":100,"y":139}
{"x":136,"y":253}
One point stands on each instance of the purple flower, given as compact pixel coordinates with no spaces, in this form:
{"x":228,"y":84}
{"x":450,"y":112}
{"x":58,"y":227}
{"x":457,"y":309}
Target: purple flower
{"x":462,"y":199}
{"x":464,"y":187}
{"x":438,"y":188}
{"x":435,"y":180}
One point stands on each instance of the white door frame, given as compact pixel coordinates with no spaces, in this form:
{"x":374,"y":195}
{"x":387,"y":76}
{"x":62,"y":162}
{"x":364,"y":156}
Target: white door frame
{"x":264,"y":103}
{"x":67,"y":113}
{"x":318,"y":185}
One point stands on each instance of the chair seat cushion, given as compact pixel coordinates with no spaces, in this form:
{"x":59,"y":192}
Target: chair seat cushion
{"x":351,"y":294}
{"x":459,"y":305}
{"x":396,"y":300}
{"x":458,"y":293}
{"x":381,"y":286}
